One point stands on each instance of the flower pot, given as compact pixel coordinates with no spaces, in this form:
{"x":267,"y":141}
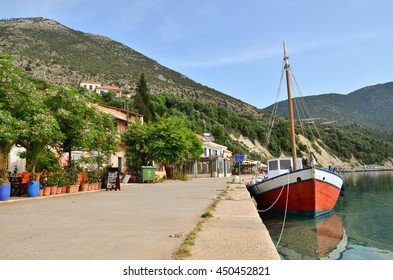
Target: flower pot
{"x":5,"y":191}
{"x":47,"y":191}
{"x":63,"y":189}
{"x":53,"y":190}
{"x":58,"y":190}
{"x":41,"y":192}
{"x":33,"y":188}
{"x":84,"y":187}
{"x":72,"y":188}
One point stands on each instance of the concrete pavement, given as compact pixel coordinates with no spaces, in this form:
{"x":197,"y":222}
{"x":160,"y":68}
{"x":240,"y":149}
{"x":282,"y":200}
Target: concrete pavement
{"x":235,"y":232}
{"x":134,"y":223}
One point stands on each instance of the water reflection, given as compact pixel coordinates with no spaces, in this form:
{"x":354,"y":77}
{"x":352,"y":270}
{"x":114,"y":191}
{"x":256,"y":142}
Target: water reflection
{"x":307,"y":239}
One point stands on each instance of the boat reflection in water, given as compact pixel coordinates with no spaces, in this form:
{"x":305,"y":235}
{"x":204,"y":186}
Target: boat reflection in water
{"x":307,"y":239}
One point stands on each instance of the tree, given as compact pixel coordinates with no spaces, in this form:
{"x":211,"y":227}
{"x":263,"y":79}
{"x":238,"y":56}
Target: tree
{"x":84,"y":127}
{"x":9,"y":125}
{"x":22,"y":100}
{"x":142,"y":99}
{"x":167,"y":141}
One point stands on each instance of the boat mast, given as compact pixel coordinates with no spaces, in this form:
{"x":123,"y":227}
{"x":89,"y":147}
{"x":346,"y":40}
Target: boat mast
{"x":290,"y":109}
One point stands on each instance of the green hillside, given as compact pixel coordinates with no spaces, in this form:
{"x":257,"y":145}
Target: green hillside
{"x":62,"y":55}
{"x":370,"y":107}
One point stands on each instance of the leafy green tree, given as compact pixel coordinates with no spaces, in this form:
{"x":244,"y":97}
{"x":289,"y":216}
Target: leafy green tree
{"x":84,"y":127}
{"x":22,"y":99}
{"x":142,"y":99}
{"x":136,"y":140}
{"x":167,"y":140}
{"x":9,"y":125}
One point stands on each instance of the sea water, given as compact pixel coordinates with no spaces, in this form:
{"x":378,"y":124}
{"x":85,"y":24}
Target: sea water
{"x":359,"y":228}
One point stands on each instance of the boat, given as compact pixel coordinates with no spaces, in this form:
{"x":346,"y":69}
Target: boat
{"x":288,"y":187}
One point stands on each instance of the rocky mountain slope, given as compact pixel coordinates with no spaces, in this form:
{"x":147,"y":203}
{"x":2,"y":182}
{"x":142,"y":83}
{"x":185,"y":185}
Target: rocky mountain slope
{"x":62,"y":55}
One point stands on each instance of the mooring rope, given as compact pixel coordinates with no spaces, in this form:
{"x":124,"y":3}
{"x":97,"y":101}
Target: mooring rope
{"x":285,"y":214}
{"x":270,"y":207}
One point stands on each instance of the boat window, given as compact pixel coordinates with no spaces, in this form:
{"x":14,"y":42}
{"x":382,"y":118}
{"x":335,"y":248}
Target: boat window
{"x":273,"y":165}
{"x":285,"y":164}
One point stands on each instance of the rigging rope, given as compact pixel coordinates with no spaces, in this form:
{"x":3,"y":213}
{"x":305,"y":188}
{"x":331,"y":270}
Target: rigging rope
{"x":306,"y":115}
{"x":275,"y":108}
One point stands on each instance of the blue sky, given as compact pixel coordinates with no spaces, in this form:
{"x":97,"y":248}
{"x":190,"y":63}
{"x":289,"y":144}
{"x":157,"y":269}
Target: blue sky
{"x":236,"y":46}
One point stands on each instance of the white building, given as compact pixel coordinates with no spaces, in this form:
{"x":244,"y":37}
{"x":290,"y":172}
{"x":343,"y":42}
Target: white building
{"x":214,"y":162}
{"x":106,"y":89}
{"x":90,"y":85}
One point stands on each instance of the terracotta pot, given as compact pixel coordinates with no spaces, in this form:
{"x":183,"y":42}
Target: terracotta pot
{"x":84,"y":187}
{"x":41,"y":192}
{"x":58,"y":190}
{"x":63,"y":189}
{"x":72,"y":188}
{"x":47,"y":190}
{"x":53,"y":190}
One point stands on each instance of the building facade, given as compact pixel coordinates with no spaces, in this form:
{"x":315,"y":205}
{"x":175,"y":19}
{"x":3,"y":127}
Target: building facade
{"x":214,"y":162}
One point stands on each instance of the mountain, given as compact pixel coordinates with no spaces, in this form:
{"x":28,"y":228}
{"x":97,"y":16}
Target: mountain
{"x":370,"y":107}
{"x":62,"y":55}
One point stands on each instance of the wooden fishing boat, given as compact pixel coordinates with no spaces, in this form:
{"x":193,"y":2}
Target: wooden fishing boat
{"x":311,"y":191}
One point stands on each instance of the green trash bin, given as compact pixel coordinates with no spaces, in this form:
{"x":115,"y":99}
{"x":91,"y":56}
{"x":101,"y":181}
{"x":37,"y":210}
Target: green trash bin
{"x":148,"y":173}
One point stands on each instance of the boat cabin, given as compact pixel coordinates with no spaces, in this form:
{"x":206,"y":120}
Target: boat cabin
{"x":281,"y":165}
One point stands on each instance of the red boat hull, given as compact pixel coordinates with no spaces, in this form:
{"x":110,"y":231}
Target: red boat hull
{"x":304,"y":195}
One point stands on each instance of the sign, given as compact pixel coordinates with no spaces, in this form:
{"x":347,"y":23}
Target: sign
{"x":113,"y":182}
{"x":126,"y":179}
{"x":239,"y":158}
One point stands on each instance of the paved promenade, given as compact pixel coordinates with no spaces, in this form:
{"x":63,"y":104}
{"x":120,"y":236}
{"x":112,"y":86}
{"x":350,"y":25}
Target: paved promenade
{"x":138,"y":223}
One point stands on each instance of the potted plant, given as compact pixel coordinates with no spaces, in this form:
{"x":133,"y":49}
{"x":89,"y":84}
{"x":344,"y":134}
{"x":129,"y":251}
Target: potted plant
{"x":5,"y":186}
{"x":52,"y":183}
{"x":33,"y":186}
{"x":42,"y":184}
{"x":72,"y":175}
{"x":62,"y":183}
{"x":84,"y":183}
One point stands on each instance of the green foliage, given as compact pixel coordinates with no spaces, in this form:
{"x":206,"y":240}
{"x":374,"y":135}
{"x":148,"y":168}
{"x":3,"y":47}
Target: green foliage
{"x":48,"y":161}
{"x":63,"y":181}
{"x":83,"y":126}
{"x":167,"y":140}
{"x":27,"y":114}
{"x":62,"y":118}
{"x":9,"y":124}
{"x":369,"y":107}
{"x":72,"y":174}
{"x":142,"y":99}
{"x":365,"y":144}
{"x":53,"y":180}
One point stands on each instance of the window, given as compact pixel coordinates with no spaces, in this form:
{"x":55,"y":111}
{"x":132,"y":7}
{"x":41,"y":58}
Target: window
{"x":285,"y":164}
{"x":273,"y":165}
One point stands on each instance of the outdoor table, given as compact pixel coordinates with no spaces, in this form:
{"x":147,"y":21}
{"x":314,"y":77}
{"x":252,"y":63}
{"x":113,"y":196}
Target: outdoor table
{"x":17,"y":188}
